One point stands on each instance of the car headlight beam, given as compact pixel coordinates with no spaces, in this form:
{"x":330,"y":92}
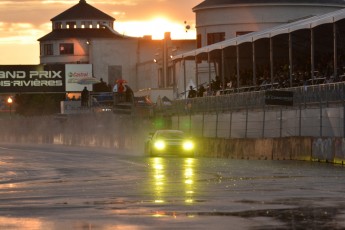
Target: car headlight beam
{"x":159,"y":145}
{"x":188,"y":145}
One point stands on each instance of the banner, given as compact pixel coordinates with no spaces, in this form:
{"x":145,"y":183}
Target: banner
{"x":46,"y":78}
{"x":279,"y":97}
{"x":79,"y":76}
{"x":32,"y":78}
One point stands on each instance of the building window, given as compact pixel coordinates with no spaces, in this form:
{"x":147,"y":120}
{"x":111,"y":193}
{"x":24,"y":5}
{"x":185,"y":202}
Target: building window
{"x":86,"y":24}
{"x":71,"y":25}
{"x":100,"y":25}
{"x":198,"y":41}
{"x":57,"y":25}
{"x":215,"y":37}
{"x":48,"y":49}
{"x":66,"y":48}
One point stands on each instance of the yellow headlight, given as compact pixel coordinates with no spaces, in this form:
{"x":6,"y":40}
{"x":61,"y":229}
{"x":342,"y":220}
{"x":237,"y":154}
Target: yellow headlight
{"x":159,"y":145}
{"x":188,"y":145}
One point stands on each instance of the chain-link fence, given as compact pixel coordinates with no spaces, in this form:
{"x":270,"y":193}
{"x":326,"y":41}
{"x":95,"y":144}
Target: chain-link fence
{"x":317,"y":111}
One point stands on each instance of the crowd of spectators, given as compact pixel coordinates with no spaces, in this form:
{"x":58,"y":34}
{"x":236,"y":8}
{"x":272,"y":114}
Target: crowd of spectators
{"x":301,"y":76}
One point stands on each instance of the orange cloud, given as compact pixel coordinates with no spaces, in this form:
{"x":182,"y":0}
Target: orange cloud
{"x":24,"y":21}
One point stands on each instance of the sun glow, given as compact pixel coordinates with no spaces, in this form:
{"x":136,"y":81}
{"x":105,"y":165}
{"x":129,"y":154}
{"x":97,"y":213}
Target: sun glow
{"x":156,"y":27}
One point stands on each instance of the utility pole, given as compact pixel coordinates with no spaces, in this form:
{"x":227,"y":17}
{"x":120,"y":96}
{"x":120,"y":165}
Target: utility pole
{"x":166,"y":46}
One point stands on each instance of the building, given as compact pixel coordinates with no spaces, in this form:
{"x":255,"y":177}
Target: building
{"x":218,"y":20}
{"x":221,"y":24}
{"x":83,"y":34}
{"x":305,"y":52}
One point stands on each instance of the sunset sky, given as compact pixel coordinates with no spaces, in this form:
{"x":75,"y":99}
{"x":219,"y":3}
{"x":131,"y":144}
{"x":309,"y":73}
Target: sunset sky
{"x":22,"y":22}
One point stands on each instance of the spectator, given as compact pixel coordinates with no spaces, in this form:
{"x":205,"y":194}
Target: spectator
{"x":85,"y":97}
{"x":101,"y":86}
{"x":129,"y":94}
{"x":118,"y":87}
{"x":201,"y":91}
{"x":192,"y":92}
{"x":216,"y":84}
{"x":121,"y":88}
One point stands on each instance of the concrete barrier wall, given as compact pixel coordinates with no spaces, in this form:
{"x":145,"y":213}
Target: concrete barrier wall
{"x":339,"y":150}
{"x":331,"y":150}
{"x":323,"y":149}
{"x":119,"y":133}
{"x":106,"y":131}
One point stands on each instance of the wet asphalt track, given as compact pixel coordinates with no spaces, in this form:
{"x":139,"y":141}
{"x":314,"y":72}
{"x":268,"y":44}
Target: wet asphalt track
{"x":59,"y":187}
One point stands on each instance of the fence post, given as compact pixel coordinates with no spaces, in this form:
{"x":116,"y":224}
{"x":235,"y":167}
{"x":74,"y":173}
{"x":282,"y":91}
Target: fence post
{"x":343,"y":99}
{"x":327,"y":95}
{"x":281,"y":122}
{"x":190,"y":124}
{"x":217,"y":124}
{"x":305,"y":96}
{"x":263,"y":122}
{"x":203,"y":123}
{"x":178,"y":121}
{"x":230,"y":127}
{"x":302,"y":101}
{"x":245,"y":134}
{"x":300,"y":120}
{"x":320,"y":113}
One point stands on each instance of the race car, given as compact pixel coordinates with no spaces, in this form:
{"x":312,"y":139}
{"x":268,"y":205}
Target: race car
{"x":169,"y":142}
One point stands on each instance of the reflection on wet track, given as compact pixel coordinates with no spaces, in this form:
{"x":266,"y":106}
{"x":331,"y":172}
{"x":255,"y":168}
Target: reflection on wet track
{"x":59,"y":187}
{"x":163,"y":182}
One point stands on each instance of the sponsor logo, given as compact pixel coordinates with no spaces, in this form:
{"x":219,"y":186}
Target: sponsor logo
{"x":78,"y":74}
{"x":75,"y":77}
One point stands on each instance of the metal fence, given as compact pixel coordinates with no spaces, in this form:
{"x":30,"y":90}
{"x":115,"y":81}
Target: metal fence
{"x":323,"y":94}
{"x":317,"y":110}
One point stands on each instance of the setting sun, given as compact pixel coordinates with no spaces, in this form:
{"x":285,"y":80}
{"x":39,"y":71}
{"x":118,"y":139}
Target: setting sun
{"x":156,"y":27}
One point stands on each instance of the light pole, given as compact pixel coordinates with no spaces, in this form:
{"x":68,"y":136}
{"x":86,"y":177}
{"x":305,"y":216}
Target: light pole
{"x":10,"y":101}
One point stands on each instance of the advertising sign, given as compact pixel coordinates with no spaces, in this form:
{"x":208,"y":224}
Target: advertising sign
{"x":46,"y":78}
{"x":32,"y":78}
{"x":78,"y":76}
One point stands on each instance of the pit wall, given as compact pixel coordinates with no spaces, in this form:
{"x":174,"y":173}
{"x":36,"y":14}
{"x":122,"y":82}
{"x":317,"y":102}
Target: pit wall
{"x":331,"y":150}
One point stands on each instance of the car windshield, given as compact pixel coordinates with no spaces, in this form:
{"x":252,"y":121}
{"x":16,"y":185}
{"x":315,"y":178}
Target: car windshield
{"x":171,"y":135}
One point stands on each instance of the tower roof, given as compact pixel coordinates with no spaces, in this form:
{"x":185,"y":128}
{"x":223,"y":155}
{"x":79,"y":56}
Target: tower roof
{"x":211,"y":3}
{"x":85,"y":33}
{"x":82,"y":10}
